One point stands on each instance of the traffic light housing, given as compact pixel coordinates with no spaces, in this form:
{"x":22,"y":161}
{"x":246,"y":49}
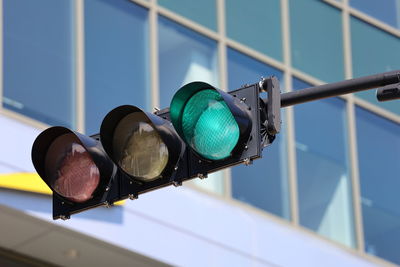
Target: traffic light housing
{"x":142,"y":144}
{"x":226,"y":124}
{"x":76,"y":169}
{"x":144,"y":147}
{"x":203,"y":131}
{"x":214,"y":124}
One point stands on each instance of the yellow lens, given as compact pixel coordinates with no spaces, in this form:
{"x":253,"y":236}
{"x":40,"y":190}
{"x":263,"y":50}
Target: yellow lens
{"x":138,"y":148}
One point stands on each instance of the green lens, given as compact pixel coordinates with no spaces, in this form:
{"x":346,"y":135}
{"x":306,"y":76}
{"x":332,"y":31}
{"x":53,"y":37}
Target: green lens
{"x":209,"y":126}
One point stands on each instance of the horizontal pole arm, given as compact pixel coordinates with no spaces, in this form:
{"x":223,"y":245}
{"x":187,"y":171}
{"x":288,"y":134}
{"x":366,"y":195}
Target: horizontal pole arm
{"x":339,"y":88}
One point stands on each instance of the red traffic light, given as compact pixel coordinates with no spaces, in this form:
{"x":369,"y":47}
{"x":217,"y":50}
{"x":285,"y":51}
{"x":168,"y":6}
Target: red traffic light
{"x":74,"y":166}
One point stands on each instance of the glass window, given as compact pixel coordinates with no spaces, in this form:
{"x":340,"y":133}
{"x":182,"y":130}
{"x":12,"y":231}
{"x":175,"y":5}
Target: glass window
{"x":374,"y":51}
{"x":387,"y":11}
{"x":378,"y":156}
{"x":256,"y":24}
{"x":263,"y":184}
{"x":316,"y":36}
{"x":203,"y":12}
{"x":116,"y":58}
{"x":324,"y":184}
{"x":39,"y":59}
{"x":186,"y":56}
{"x":243,"y":70}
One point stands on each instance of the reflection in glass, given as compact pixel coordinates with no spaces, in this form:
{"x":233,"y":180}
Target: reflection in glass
{"x":387,"y":11}
{"x":263,"y":184}
{"x":257,"y":25}
{"x":369,"y":58}
{"x":186,"y":56}
{"x":324,"y":185}
{"x":378,"y":143}
{"x":39,"y":60}
{"x":116,"y":58}
{"x":316,"y":28}
{"x":203,"y":12}
{"x":243,"y":69}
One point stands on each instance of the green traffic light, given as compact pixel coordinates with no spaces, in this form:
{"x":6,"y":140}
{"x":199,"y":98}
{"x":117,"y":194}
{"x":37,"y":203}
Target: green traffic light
{"x":208,"y":120}
{"x":208,"y":125}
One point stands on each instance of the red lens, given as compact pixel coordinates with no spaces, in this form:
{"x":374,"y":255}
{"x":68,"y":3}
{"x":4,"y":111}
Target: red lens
{"x":71,"y":169}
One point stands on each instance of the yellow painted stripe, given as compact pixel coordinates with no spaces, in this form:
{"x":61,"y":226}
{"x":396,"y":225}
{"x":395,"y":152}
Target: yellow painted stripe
{"x":30,"y":182}
{"x":25,"y":181}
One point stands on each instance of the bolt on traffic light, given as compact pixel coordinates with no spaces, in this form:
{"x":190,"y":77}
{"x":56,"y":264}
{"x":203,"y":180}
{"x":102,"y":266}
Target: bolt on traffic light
{"x":204,"y":130}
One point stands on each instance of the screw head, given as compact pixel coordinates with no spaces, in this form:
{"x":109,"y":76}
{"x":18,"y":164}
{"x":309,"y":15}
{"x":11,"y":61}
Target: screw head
{"x":64,"y":217}
{"x":247,"y":161}
{"x":132,"y":196}
{"x":202,"y":176}
{"x":176,"y":183}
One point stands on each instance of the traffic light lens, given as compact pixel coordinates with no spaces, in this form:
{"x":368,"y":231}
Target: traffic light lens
{"x":138,"y":148}
{"x":71,"y":170}
{"x":209,"y":126}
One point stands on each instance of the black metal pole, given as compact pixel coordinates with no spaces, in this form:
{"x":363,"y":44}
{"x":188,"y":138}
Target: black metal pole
{"x":339,"y":88}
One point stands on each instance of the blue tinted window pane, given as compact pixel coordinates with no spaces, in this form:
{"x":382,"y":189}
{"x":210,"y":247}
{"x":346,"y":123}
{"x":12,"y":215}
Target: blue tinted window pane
{"x":263,"y":184}
{"x":316,"y":35}
{"x":243,"y":69}
{"x":116,"y":58}
{"x":387,"y":11}
{"x":184,"y":56}
{"x":374,"y":51}
{"x":203,"y":12}
{"x":256,"y":24}
{"x":39,"y":59}
{"x":378,"y":155}
{"x":324,"y":185}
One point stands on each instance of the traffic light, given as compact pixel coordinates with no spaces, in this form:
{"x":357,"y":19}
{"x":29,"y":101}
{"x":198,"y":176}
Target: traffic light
{"x":219,"y":129}
{"x":144,"y":147}
{"x":204,"y":130}
{"x":76,"y":169}
{"x":210,"y":121}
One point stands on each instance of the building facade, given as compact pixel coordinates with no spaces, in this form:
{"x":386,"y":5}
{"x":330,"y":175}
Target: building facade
{"x":325,"y":192}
